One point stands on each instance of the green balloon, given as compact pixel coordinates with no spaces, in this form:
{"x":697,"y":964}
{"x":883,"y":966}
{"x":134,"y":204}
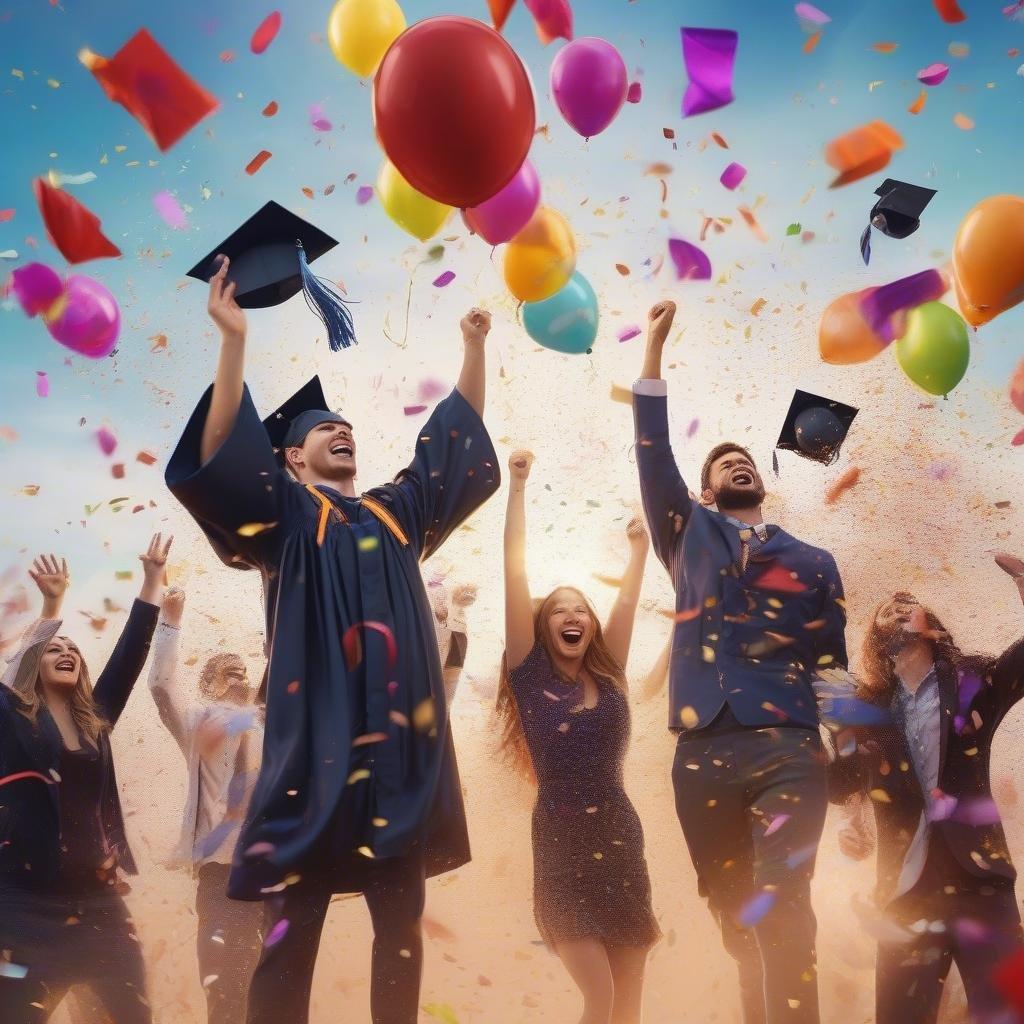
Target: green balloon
{"x":934,"y":351}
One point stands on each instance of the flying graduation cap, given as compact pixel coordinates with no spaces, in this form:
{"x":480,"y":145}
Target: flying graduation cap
{"x":815,"y":428}
{"x":288,"y":426}
{"x":897,"y":212}
{"x":270,"y":256}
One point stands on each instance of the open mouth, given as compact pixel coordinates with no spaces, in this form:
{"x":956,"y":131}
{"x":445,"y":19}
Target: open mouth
{"x":572,"y":636}
{"x":342,"y":449}
{"x":65,"y":665}
{"x":742,"y":478}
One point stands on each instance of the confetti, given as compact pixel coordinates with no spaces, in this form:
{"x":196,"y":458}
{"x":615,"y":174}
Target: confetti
{"x":500,"y":10}
{"x":635,"y":92}
{"x":107,"y":440}
{"x":958,"y":50}
{"x":934,"y":74}
{"x":811,"y":42}
{"x":317,"y":119}
{"x":265,"y":33}
{"x":628,"y":333}
{"x":963,"y":122}
{"x":793,"y":229}
{"x":70,"y":226}
{"x":270,"y":109}
{"x":849,"y":479}
{"x":17,"y":776}
{"x":42,"y":384}
{"x":691,"y":263}
{"x":258,"y":161}
{"x":351,"y":642}
{"x":445,"y":279}
{"x":719,"y":140}
{"x":918,"y":105}
{"x":552,"y":19}
{"x":364,"y":194}
{"x":708,"y":54}
{"x":885,"y":47}
{"x":752,"y":222}
{"x":6,"y":215}
{"x":170,"y":210}
{"x":862,"y":151}
{"x":811,"y":19}
{"x":733,"y":176}
{"x":414,"y":410}
{"x":949,"y":11}
{"x":252,"y":529}
{"x":276,"y":934}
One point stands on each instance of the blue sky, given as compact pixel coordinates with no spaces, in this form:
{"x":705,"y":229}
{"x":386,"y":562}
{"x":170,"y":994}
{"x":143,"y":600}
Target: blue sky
{"x":788,"y":105}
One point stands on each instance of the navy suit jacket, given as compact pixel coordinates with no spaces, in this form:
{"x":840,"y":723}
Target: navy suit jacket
{"x":751,"y":639}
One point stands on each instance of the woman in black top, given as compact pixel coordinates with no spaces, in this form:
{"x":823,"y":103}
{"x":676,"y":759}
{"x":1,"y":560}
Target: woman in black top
{"x":62,"y":839}
{"x":563,"y":704}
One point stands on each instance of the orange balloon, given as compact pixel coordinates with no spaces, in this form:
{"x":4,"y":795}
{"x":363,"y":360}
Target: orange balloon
{"x":844,"y":336}
{"x":988,"y":259}
{"x":540,"y":260}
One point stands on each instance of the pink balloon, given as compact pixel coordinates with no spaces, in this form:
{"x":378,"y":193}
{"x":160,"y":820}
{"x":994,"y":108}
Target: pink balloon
{"x":505,"y":214}
{"x":36,"y":287}
{"x":589,"y":84}
{"x":90,"y":320}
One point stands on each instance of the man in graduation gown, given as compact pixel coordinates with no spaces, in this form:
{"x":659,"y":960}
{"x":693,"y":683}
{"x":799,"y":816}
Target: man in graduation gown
{"x":359,"y":790}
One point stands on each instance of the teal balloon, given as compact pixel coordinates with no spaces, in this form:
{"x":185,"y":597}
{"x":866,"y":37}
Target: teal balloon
{"x":935,"y":350}
{"x":566,"y":322}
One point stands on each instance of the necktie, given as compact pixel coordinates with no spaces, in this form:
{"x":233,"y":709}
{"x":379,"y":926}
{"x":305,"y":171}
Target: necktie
{"x":745,"y":536}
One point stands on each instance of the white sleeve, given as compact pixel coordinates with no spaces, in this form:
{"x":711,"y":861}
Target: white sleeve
{"x":655,"y":387}
{"x":165,"y":685}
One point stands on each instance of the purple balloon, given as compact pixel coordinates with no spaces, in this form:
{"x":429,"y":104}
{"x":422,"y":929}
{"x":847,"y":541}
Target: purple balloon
{"x":589,"y":84}
{"x":90,"y":321}
{"x":504,"y":215}
{"x":36,"y":287}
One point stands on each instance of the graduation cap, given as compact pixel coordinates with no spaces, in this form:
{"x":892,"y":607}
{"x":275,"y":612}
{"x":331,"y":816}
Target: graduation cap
{"x":270,"y":256}
{"x":288,"y":426}
{"x":815,"y":428}
{"x":897,"y":212}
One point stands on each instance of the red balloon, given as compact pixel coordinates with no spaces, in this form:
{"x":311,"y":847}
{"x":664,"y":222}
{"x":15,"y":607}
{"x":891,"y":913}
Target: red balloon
{"x":454,"y":110}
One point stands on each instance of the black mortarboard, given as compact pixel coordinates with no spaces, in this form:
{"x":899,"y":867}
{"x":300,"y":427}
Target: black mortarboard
{"x":897,"y":212}
{"x":815,"y":428}
{"x":270,"y":256}
{"x":289,"y":425}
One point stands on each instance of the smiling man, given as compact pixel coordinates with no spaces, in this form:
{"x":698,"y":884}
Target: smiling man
{"x":358,"y":790}
{"x":756,"y":611}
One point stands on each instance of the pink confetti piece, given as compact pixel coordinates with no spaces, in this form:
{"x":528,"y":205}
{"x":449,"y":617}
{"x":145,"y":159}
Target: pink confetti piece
{"x":42,"y":384}
{"x":733,"y":176}
{"x":265,"y":33}
{"x":628,"y":332}
{"x":414,"y":410}
{"x":552,"y":19}
{"x":276,"y":934}
{"x":261,"y":849}
{"x":317,"y":119}
{"x":431,"y":389}
{"x":934,"y":74}
{"x":692,"y":428}
{"x":811,"y":19}
{"x":445,"y":279}
{"x":635,"y":93}
{"x":107,"y":441}
{"x":1018,"y":439}
{"x":777,"y":822}
{"x":691,"y":263}
{"x":364,"y":194}
{"x":170,"y":210}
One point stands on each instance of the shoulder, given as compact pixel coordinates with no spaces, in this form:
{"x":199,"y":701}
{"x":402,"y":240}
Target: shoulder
{"x":819,"y":557}
{"x":536,"y":664}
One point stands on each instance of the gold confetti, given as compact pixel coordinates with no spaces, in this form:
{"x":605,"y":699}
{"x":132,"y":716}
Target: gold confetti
{"x":251,"y":529}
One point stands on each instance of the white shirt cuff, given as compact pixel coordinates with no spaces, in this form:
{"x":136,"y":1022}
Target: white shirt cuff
{"x":655,"y":387}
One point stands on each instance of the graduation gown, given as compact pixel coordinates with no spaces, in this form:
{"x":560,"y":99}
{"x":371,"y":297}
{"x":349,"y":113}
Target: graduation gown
{"x":357,"y":752}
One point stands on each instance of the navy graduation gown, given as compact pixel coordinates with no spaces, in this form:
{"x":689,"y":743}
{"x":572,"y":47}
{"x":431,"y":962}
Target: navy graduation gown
{"x":352,"y":648}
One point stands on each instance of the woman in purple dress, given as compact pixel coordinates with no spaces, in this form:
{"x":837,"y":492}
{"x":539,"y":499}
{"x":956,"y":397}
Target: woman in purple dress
{"x":565,"y":716}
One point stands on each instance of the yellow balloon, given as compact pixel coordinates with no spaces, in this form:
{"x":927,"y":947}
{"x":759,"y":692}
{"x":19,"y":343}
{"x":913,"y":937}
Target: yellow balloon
{"x":541,"y":258}
{"x":412,"y":211}
{"x":360,"y":32}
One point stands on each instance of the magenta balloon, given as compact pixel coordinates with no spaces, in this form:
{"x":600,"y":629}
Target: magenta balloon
{"x":90,"y":321}
{"x":589,"y":84}
{"x":36,"y":287}
{"x":504,"y":215}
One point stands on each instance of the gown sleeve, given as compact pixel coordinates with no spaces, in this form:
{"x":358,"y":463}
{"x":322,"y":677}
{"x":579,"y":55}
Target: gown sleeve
{"x":453,"y":472}
{"x":239,"y":489}
{"x":125,"y":664}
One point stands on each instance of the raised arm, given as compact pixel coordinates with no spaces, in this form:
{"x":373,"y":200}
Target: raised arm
{"x":619,"y":630}
{"x":124,"y":666}
{"x":1006,"y":677}
{"x":227,"y":386}
{"x":666,"y":500}
{"x":50,"y":575}
{"x":519,"y":638}
{"x":472,"y":380}
{"x":164,"y":680}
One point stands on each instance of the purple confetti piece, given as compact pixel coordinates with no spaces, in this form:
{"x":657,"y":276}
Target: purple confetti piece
{"x":708,"y":54}
{"x":635,"y":93}
{"x":414,"y":410}
{"x":982,"y":811}
{"x":364,"y":194}
{"x":628,"y":332}
{"x":754,"y":909}
{"x":445,"y":279}
{"x":733,"y":176}
{"x":431,"y":389}
{"x":968,"y":687}
{"x":943,"y":806}
{"x":882,"y":307}
{"x":777,"y":822}
{"x":317,"y":119}
{"x":934,"y":74}
{"x":690,"y":262}
{"x":42,"y":384}
{"x":276,"y":934}
{"x":970,"y":932}
{"x":692,"y":428}
{"x":170,"y":210}
{"x":106,"y":439}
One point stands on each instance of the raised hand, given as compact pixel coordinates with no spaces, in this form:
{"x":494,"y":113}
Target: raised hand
{"x":476,"y":325}
{"x":173,"y":605}
{"x":1010,"y":564}
{"x":154,"y":564}
{"x":520,"y":463}
{"x":221,"y":305}
{"x":637,"y":533}
{"x":50,"y":576}
{"x":659,"y":321}
{"x":464,"y":595}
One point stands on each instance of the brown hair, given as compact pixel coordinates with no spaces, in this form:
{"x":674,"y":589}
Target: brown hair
{"x":716,"y":453}
{"x":84,"y":711}
{"x":598,"y":660}
{"x":213,"y":667}
{"x":878,"y":677}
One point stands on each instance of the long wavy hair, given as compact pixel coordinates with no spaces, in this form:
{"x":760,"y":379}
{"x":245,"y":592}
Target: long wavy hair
{"x":212,"y":669}
{"x":598,"y":661}
{"x":878,"y":679}
{"x":28,"y":688}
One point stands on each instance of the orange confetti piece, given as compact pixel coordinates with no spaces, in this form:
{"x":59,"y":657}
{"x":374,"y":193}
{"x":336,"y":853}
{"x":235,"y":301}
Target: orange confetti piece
{"x":658,"y":170}
{"x":849,"y":479}
{"x":159,"y":342}
{"x":258,"y":161}
{"x":270,"y":109}
{"x":752,"y":222}
{"x":719,"y":140}
{"x":227,"y":56}
{"x":918,"y":105}
{"x":307,"y":192}
{"x":622,"y":269}
{"x":756,"y":308}
{"x":862,"y":151}
{"x":884,"y":47}
{"x":146,"y":458}
{"x":963,"y":122}
{"x":811,"y":42}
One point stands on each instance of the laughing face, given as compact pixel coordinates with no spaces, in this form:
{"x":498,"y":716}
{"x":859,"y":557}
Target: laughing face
{"x":327,"y":453}
{"x":61,"y":663}
{"x":570,"y":624}
{"x":734,"y":483}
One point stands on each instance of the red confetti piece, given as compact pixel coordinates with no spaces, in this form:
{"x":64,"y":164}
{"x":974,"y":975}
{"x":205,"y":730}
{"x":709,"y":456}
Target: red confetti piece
{"x":351,"y":642}
{"x":1018,"y":439}
{"x":445,"y":279}
{"x":117,"y":471}
{"x":258,"y":161}
{"x":635,"y":93}
{"x":414,"y":410}
{"x":849,"y":479}
{"x":779,"y":578}
{"x":146,"y":458}
{"x":811,"y":42}
{"x":26,"y":775}
{"x":227,"y":56}
{"x":6,"y":215}
{"x":719,"y":140}
{"x":949,"y":11}
{"x":264,"y":35}
{"x":307,"y":192}
{"x":552,"y":19}
{"x":270,"y":109}
{"x":73,"y":229}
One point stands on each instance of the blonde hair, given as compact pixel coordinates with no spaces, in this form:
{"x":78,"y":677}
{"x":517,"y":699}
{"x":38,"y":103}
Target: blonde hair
{"x":598,"y":661}
{"x":27,"y":688}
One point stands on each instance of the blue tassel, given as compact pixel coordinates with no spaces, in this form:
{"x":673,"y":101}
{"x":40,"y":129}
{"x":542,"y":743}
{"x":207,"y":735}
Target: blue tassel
{"x":328,"y":305}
